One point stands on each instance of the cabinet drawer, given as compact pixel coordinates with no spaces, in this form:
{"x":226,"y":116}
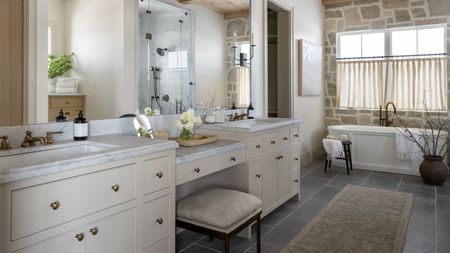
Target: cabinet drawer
{"x":255,"y":174}
{"x":256,"y":146}
{"x":275,"y":140}
{"x":40,"y":207}
{"x":160,"y":246}
{"x":65,"y":102}
{"x":156,"y":174}
{"x":295,"y":134}
{"x":295,"y":156}
{"x":156,"y":220}
{"x":295,"y":180}
{"x":193,"y":170}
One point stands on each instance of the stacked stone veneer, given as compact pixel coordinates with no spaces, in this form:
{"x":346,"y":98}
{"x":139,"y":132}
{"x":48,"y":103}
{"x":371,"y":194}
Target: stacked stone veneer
{"x":374,"y":14}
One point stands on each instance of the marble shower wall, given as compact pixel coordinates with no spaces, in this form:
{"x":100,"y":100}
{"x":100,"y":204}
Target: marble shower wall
{"x":374,"y":14}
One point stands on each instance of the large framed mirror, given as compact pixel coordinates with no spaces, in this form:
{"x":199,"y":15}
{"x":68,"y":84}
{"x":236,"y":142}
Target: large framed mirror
{"x":124,"y":56}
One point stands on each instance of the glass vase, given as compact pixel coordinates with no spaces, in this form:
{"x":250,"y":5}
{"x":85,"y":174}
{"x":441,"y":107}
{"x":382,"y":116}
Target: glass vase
{"x":185,"y":135}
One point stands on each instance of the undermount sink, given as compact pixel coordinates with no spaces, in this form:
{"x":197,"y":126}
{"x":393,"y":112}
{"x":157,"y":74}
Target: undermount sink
{"x":50,"y":153}
{"x":250,"y":123}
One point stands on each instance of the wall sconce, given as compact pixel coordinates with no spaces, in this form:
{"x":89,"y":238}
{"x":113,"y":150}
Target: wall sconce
{"x":244,"y":59}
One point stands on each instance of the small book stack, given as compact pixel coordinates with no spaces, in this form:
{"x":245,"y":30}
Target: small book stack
{"x":66,"y":85}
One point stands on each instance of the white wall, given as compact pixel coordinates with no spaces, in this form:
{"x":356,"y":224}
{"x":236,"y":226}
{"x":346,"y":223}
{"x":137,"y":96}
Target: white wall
{"x":210,"y":55}
{"x":308,"y":25}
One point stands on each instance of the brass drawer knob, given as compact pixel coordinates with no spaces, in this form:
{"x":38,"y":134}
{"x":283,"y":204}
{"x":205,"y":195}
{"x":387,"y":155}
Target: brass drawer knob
{"x":296,"y":180}
{"x":197,"y":170}
{"x":233,"y":159}
{"x":160,"y":221}
{"x":55,"y":205}
{"x":272,"y":142}
{"x":94,"y":231}
{"x":115,"y":188}
{"x":159,"y":174}
{"x":296,"y":158}
{"x":258,"y":176}
{"x":279,"y":157}
{"x":79,"y":237}
{"x":258,"y":146}
{"x":296,"y":135}
{"x":285,"y":138}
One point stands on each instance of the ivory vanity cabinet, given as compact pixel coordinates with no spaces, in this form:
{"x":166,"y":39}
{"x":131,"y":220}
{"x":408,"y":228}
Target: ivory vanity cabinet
{"x":123,"y":206}
{"x":272,"y":169}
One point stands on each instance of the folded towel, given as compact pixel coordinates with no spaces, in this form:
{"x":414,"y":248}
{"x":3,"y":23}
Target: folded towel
{"x":66,"y":90}
{"x":333,"y":147}
{"x":405,"y":148}
{"x":66,"y":79}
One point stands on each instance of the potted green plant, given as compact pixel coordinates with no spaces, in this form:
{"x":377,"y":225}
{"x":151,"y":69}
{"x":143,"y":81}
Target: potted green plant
{"x":432,"y":142}
{"x":57,"y":66}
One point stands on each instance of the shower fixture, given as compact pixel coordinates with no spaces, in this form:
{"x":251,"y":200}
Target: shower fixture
{"x":161,"y":51}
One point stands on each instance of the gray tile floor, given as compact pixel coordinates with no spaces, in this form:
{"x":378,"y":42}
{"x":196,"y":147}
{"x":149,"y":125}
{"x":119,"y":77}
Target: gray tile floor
{"x":428,"y":230}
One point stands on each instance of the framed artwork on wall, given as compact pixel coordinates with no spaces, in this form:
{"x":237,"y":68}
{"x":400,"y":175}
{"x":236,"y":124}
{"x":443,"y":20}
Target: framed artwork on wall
{"x":309,"y":69}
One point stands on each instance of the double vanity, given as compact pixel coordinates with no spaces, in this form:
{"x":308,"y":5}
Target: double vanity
{"x":117,"y":193}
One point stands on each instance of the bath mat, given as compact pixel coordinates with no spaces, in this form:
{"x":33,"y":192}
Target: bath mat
{"x":357,"y":219}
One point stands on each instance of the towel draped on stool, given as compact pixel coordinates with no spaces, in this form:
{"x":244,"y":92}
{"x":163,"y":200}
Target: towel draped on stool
{"x":333,"y":148}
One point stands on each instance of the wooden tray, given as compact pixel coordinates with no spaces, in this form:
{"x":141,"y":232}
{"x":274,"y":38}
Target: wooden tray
{"x":197,"y":140}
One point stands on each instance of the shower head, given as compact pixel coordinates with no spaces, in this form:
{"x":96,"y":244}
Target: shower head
{"x":161,"y":51}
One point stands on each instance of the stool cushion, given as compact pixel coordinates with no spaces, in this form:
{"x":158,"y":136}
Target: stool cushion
{"x":217,"y":207}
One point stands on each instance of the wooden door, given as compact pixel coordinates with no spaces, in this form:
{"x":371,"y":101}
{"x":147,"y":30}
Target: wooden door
{"x":115,"y":234}
{"x":11,"y":62}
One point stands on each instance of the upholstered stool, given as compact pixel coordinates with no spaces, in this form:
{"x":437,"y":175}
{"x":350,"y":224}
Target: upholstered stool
{"x":347,"y":156}
{"x":220,"y":213}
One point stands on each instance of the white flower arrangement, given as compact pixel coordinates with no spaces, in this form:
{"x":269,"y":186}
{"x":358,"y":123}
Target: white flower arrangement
{"x":188,"y":121}
{"x":148,"y":111}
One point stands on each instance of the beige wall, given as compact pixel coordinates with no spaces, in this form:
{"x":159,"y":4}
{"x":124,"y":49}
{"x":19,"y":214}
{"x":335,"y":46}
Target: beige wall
{"x":374,"y":14}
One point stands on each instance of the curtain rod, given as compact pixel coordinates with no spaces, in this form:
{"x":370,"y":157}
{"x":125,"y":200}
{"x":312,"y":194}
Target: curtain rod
{"x":391,"y":56}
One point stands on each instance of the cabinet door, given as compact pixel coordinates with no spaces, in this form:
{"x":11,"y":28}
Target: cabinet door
{"x":270,"y":181}
{"x":114,"y":234}
{"x":284,"y":173}
{"x":66,"y":242}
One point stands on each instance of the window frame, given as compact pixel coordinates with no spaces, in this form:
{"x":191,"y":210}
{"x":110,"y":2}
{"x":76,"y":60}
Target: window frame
{"x":388,"y":39}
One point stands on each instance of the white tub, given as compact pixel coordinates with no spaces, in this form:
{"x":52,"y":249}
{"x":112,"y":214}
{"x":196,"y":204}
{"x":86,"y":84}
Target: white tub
{"x":373,"y":148}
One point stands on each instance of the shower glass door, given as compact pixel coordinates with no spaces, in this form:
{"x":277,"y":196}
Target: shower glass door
{"x":166,"y":57}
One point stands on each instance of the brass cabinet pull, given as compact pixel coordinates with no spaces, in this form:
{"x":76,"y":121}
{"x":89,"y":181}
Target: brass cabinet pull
{"x":94,"y":231}
{"x":159,"y":174}
{"x":160,"y":221}
{"x":296,"y":158}
{"x":258,"y":146}
{"x":272,"y":142}
{"x":296,"y":180}
{"x":279,"y":157}
{"x":55,"y":205}
{"x":197,"y":170}
{"x":285,"y":138}
{"x":233,"y":159}
{"x":115,"y":188}
{"x":296,"y":135}
{"x":79,"y":237}
{"x":258,"y":176}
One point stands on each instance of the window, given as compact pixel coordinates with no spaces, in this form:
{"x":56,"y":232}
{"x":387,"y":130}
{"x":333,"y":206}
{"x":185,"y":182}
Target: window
{"x":407,"y":66}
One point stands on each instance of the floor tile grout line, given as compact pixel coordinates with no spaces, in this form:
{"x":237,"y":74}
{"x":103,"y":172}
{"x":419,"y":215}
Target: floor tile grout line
{"x":315,"y":168}
{"x":185,"y":248}
{"x":399,"y":182}
{"x":435,"y":219}
{"x":365,"y":180}
{"x":206,"y":247}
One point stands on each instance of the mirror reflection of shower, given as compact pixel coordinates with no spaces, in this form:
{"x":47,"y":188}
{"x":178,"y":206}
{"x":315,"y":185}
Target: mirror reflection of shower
{"x":166,"y":57}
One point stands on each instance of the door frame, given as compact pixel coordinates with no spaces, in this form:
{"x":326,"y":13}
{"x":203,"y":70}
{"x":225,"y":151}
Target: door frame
{"x":290,"y":11}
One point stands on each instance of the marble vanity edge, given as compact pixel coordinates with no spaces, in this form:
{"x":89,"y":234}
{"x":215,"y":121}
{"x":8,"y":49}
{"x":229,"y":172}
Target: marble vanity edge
{"x":254,"y":129}
{"x":211,"y":152}
{"x":28,"y":172}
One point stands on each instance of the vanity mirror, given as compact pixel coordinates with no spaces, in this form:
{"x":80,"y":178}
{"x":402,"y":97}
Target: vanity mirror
{"x":127,"y":55}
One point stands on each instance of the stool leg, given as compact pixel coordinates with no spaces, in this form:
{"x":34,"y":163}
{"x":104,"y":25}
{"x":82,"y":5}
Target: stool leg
{"x":326,"y":164}
{"x":329,"y":163}
{"x":210,"y":239}
{"x":350,"y":158}
{"x":258,"y":235}
{"x":227,"y":244}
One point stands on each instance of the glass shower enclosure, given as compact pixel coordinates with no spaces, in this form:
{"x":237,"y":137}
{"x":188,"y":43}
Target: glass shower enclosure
{"x":166,"y":57}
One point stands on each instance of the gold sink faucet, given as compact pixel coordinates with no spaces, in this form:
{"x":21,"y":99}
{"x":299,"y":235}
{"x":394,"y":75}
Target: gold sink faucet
{"x":385,"y":120}
{"x":49,"y":137}
{"x":5,"y":143}
{"x":237,"y":117}
{"x":29,"y":140}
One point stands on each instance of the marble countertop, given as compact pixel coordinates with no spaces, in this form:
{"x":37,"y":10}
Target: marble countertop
{"x":190,"y":154}
{"x":65,"y":94}
{"x":252,"y":125}
{"x":38,"y":161}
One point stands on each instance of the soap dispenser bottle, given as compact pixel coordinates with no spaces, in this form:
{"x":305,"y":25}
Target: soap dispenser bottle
{"x":80,"y":128}
{"x":250,"y":111}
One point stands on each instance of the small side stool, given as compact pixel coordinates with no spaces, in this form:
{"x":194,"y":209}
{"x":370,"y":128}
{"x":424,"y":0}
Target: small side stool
{"x":347,"y":157}
{"x":220,"y":213}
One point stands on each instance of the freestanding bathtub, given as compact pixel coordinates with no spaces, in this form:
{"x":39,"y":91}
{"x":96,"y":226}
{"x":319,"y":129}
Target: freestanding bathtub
{"x":373,"y":148}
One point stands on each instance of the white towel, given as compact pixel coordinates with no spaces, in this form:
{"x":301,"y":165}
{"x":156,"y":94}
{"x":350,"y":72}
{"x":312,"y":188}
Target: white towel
{"x":66,"y":79}
{"x":66,"y":84}
{"x":406,"y":149}
{"x":66,"y":90}
{"x":333,"y":148}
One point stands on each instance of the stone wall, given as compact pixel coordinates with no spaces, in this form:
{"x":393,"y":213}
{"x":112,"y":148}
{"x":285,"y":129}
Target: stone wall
{"x":374,"y":14}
